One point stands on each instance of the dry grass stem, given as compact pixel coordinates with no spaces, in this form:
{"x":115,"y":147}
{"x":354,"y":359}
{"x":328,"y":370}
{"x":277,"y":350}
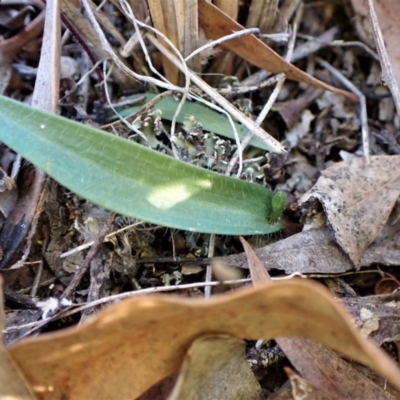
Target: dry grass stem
{"x":274,"y":95}
{"x":229,"y":7}
{"x":387,"y":71}
{"x":106,"y":46}
{"x":214,"y":43}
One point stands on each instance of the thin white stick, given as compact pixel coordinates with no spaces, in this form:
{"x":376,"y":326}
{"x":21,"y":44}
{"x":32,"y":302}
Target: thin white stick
{"x":117,"y":297}
{"x":211,"y":246}
{"x":121,"y":118}
{"x":363,"y":105}
{"x":86,"y":245}
{"x":271,"y":100}
{"x":216,"y":42}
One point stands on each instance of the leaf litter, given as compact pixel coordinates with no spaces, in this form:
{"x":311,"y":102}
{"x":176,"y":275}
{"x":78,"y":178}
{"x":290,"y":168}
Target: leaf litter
{"x":353,"y":224}
{"x":358,"y":199}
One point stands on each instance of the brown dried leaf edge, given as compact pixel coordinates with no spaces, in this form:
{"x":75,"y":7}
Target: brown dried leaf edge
{"x":216,"y":24}
{"x":132,"y":345}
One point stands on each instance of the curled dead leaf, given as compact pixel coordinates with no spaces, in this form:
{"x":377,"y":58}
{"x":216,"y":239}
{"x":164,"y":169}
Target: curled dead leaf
{"x":148,"y":337}
{"x":357,"y":199}
{"x":324,"y":369}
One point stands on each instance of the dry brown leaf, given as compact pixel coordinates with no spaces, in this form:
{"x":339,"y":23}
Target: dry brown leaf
{"x":385,"y":249}
{"x":161,"y":390}
{"x":378,"y":317}
{"x":148,"y":337}
{"x":164,"y":17}
{"x":326,"y":370}
{"x":12,"y":384}
{"x":258,"y":272}
{"x":291,"y":110}
{"x":215,"y":367}
{"x":304,"y":390}
{"x":217,"y":24}
{"x":357,"y":199}
{"x":320,"y":366}
{"x":308,"y":252}
{"x":316,"y":252}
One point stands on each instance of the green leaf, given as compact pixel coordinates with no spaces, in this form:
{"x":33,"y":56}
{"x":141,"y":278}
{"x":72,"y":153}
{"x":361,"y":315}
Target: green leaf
{"x":278,"y":204}
{"x":133,"y":180}
{"x":211,"y":120}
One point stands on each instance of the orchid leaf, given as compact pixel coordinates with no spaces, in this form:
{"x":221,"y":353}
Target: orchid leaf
{"x":132,"y":180}
{"x":211,"y":120}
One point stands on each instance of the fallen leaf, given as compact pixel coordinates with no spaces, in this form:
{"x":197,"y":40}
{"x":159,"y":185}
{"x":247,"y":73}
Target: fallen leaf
{"x":215,"y":367}
{"x":385,"y":249}
{"x":12,"y":383}
{"x":304,"y":390}
{"x":386,"y":285}
{"x":357,"y":199}
{"x":291,"y":110}
{"x":148,"y":337}
{"x":377,"y":316}
{"x":307,"y":252}
{"x":217,"y":24}
{"x":300,"y":129}
{"x":321,"y":366}
{"x":325,"y":369}
{"x":161,"y":390}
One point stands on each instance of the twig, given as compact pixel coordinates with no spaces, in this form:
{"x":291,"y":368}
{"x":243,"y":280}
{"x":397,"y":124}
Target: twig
{"x":121,"y":296}
{"x":122,"y":119}
{"x":272,"y":98}
{"x":211,"y":247}
{"x":216,"y":42}
{"x":363,"y":105}
{"x":9,"y":48}
{"x":86,"y":245}
{"x":246,"y":140}
{"x":19,"y":299}
{"x":87,"y":50}
{"x":340,"y":43}
{"x":241,"y":89}
{"x":301,"y":51}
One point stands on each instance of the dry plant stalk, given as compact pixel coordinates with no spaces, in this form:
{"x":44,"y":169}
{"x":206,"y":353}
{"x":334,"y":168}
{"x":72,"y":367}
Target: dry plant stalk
{"x":178,"y":20}
{"x":230,"y":7}
{"x":387,"y":70}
